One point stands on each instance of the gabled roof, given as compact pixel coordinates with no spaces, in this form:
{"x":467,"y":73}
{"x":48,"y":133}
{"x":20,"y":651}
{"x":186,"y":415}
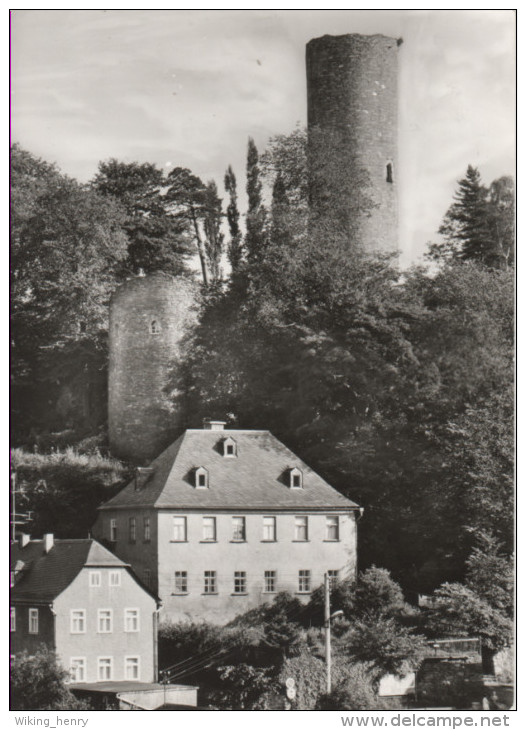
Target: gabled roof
{"x":45,"y":575}
{"x":257,"y":478}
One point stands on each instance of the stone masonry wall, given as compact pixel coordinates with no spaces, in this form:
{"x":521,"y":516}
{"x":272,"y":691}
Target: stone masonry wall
{"x":149,"y":317}
{"x":352,"y":91}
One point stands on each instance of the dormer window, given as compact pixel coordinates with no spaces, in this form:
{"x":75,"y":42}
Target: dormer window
{"x":229,"y":448}
{"x":296,"y":478}
{"x":155,"y":327}
{"x":201,"y":478}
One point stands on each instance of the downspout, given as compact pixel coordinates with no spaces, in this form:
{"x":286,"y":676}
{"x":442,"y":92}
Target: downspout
{"x":54,"y":644}
{"x":359,"y":516}
{"x":155,"y":623}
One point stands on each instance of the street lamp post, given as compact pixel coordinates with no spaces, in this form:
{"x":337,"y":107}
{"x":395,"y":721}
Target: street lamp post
{"x":328,"y":619}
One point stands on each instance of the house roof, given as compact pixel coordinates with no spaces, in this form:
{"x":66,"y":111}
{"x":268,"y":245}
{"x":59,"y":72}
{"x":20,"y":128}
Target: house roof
{"x":257,"y":478}
{"x":43,"y":576}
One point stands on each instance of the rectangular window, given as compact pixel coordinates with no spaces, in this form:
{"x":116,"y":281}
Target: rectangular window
{"x":181,"y":581}
{"x":179,"y":529}
{"x":210,"y":581}
{"x":33,"y":620}
{"x":238,"y":529}
{"x":131,"y":619}
{"x":104,"y":668}
{"x":95,"y":579}
{"x":332,"y":525}
{"x":132,"y":667}
{"x":77,"y":621}
{"x":104,"y":621}
{"x":132,"y":529}
{"x":304,"y":581}
{"x":270,"y":581}
{"x":301,"y":528}
{"x":77,"y":668}
{"x":333,"y":576}
{"x":113,"y":530}
{"x":240,"y":581}
{"x":13,"y":619}
{"x":115,"y":578}
{"x":269,"y":529}
{"x":146,"y":529}
{"x":209,"y":529}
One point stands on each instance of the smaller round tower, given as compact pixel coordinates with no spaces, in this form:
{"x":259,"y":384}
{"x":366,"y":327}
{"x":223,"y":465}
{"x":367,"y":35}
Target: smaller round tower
{"x":352,"y":95}
{"x":149,"y":317}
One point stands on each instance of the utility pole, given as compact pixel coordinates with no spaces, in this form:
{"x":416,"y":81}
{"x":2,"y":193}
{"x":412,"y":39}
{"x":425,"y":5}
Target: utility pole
{"x":328,"y":630}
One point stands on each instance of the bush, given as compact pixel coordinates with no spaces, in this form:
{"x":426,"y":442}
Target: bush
{"x":63,"y":489}
{"x":390,"y":647}
{"x":354,"y":692}
{"x":38,"y":683}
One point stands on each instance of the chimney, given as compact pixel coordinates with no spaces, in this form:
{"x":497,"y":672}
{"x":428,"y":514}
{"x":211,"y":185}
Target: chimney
{"x":48,"y":541}
{"x":23,"y":539}
{"x":142,"y":475}
{"x":209,"y":425}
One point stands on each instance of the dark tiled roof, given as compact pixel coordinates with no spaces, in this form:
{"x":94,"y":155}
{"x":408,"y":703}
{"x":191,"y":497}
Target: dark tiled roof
{"x":45,"y":575}
{"x":258,"y":478}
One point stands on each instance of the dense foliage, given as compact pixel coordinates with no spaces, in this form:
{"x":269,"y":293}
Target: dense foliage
{"x":63,"y":489}
{"x":397,"y":388}
{"x":38,"y":682}
{"x":480,"y":224}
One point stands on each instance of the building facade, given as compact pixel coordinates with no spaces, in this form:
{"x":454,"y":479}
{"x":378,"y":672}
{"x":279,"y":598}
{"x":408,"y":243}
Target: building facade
{"x":223,"y":520}
{"x":78,"y":599}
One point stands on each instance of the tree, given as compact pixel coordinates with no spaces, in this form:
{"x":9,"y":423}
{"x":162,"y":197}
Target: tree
{"x":235,"y":246}
{"x":490,"y":574}
{"x":198,"y":206}
{"x":38,"y":683}
{"x":286,"y":157}
{"x":241,"y":687}
{"x":67,"y":249}
{"x":480,"y":223}
{"x":158,"y":239}
{"x":255,"y":238}
{"x":64,"y":489}
{"x":501,"y":212}
{"x":212,"y":226}
{"x":390,"y":647}
{"x":459,"y":611}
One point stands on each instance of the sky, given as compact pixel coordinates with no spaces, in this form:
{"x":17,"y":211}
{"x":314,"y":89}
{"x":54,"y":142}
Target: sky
{"x":188,"y":87}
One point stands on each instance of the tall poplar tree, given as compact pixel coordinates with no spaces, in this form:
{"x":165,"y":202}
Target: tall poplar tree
{"x":256,"y":214}
{"x":235,"y":247}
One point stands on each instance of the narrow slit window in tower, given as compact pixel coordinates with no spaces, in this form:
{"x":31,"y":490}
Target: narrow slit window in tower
{"x":389,"y":172}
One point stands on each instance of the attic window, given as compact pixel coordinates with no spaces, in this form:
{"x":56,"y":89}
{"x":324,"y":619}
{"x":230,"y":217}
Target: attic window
{"x":229,"y":448}
{"x":155,"y":327}
{"x":201,"y":478}
{"x":389,"y":172}
{"x":296,"y":479}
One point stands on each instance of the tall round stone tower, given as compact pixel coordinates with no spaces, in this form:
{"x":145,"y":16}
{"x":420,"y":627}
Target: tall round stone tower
{"x":149,"y":316}
{"x":352,"y":120}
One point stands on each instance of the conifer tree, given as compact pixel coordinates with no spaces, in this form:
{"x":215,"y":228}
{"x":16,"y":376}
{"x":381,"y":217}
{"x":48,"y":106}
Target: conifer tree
{"x":479,"y":225}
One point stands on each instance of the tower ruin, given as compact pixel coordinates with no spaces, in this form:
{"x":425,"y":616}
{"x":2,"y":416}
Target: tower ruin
{"x":353,"y":127}
{"x":149,"y":317}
